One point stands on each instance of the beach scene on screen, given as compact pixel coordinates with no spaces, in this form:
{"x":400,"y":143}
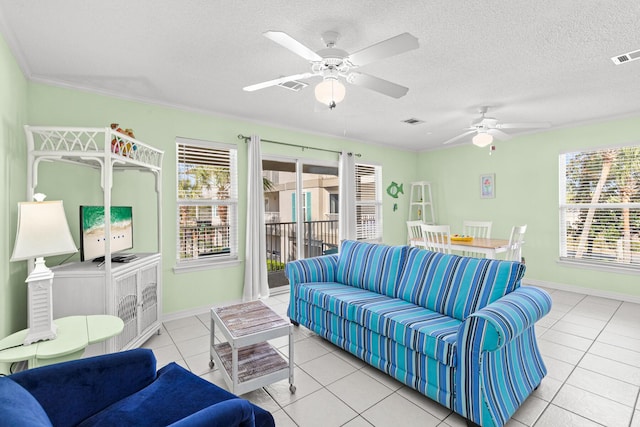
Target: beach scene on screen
{"x":93,"y":230}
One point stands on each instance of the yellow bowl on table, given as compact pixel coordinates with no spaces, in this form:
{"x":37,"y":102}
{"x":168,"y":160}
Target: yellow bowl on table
{"x":461,"y":238}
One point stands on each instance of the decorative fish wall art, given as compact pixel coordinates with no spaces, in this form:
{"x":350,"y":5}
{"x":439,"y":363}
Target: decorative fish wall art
{"x":394,"y":189}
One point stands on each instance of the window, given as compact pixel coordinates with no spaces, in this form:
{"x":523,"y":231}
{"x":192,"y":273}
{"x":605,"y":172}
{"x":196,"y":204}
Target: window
{"x":600,"y":207}
{"x":368,"y":202}
{"x":207,"y":202}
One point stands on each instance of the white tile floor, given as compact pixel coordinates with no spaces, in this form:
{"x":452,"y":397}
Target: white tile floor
{"x":591,"y":347}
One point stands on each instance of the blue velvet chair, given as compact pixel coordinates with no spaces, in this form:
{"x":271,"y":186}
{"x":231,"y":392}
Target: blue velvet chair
{"x":121,"y":389}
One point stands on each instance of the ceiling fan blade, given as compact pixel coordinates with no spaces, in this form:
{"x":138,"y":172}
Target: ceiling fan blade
{"x":379,"y":85}
{"x":540,"y":125}
{"x":384,"y":49}
{"x":455,"y":138}
{"x":275,"y":82}
{"x":285,"y":40}
{"x":499,"y":134}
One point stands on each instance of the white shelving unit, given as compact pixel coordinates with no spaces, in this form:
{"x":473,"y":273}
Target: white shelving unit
{"x":421,"y":203}
{"x":132,"y":291}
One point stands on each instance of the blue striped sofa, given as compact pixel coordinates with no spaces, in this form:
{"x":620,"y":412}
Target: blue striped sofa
{"x":459,"y":330}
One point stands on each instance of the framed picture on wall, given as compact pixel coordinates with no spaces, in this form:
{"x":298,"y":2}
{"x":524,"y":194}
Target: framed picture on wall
{"x":488,"y":186}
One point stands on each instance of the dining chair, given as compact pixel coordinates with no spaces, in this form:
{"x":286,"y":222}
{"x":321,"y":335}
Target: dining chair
{"x":437,"y":238}
{"x":514,"y":251}
{"x":480,"y":229}
{"x":477,"y":228}
{"x":414,"y":233}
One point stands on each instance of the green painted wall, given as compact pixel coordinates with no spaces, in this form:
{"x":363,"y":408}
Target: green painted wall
{"x":159,"y":127}
{"x":526,"y":171}
{"x":13,"y":154}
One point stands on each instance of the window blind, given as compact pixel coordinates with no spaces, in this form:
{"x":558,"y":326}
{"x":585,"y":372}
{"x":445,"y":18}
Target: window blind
{"x":207,"y":201}
{"x":600,"y":206}
{"x":368,"y":202}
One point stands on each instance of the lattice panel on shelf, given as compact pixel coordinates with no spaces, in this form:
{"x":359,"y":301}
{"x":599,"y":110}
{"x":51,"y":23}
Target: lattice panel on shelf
{"x":68,"y":140}
{"x":149,"y":305}
{"x":92,"y":141}
{"x":149,"y":280}
{"x":127,"y":306}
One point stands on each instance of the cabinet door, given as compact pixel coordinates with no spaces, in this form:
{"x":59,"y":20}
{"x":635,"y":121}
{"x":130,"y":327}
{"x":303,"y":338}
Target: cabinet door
{"x":149,"y":296}
{"x":127,"y":307}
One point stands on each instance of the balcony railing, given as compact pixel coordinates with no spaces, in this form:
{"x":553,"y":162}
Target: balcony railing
{"x":203,"y":240}
{"x":320,"y":238}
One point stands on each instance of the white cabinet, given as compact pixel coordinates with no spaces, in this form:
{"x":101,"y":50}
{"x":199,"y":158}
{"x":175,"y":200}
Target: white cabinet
{"x":131,"y":292}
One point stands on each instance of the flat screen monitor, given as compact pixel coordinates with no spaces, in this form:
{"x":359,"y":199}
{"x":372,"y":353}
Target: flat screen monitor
{"x":92,"y":231}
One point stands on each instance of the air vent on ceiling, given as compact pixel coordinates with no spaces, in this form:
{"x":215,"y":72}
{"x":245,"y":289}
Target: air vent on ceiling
{"x":626,"y":57}
{"x":294,"y":85}
{"x":413,"y":121}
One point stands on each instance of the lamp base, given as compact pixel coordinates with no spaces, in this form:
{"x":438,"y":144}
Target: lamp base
{"x":41,"y":326}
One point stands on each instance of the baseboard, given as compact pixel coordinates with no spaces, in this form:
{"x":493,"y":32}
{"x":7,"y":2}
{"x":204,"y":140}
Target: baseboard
{"x":582,"y":290}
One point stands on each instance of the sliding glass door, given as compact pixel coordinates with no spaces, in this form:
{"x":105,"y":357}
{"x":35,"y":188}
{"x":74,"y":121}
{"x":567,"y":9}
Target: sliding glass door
{"x":301,"y":212}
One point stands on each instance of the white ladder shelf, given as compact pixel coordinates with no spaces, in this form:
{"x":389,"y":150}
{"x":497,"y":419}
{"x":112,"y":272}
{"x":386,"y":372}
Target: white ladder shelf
{"x":421,"y":203}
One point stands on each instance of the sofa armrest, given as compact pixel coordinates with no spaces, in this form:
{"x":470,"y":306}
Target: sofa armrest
{"x":308,"y":270}
{"x":509,"y":316}
{"x":499,"y":363}
{"x":228,"y":413}
{"x":71,"y":391}
{"x":318,"y":269}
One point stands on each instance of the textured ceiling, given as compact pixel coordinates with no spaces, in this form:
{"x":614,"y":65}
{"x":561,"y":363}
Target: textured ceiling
{"x":532,"y":61}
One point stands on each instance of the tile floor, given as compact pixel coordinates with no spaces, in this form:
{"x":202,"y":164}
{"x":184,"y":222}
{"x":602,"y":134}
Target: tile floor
{"x":591,"y":347}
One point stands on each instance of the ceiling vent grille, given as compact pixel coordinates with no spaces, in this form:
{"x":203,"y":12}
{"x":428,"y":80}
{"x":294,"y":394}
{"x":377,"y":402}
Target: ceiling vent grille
{"x":627,"y":57}
{"x":294,"y":85}
{"x":413,"y":121}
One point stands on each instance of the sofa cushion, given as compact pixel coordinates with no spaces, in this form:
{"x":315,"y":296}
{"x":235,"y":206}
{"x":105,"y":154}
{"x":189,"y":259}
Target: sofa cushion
{"x":178,"y":393}
{"x":415,"y":327}
{"x":453,"y":285}
{"x":370,"y":266}
{"x":18,"y":407}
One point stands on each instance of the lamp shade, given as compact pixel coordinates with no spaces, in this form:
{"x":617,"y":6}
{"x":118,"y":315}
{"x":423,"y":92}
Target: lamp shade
{"x":329,"y":91}
{"x":42,"y":231}
{"x":482,"y":139}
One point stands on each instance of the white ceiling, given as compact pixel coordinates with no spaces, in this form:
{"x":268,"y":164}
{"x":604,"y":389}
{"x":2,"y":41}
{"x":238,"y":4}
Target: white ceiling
{"x":532,"y":61}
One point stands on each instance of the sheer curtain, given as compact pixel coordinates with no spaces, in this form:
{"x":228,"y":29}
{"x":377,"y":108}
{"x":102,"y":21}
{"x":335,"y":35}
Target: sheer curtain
{"x":255,"y":267}
{"x":347,"y":197}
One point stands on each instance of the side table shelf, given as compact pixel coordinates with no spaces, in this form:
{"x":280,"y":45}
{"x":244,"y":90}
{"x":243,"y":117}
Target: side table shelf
{"x":258,"y":365}
{"x":247,"y":361}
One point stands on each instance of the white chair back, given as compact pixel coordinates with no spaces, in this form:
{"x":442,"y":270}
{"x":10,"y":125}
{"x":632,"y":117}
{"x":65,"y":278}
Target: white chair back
{"x":437,"y":238}
{"x":514,"y":252}
{"x":477,"y":228}
{"x":414,"y":233}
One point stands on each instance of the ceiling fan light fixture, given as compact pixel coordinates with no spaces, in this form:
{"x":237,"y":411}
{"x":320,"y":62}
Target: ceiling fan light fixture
{"x":330,"y":92}
{"x":482,"y":139}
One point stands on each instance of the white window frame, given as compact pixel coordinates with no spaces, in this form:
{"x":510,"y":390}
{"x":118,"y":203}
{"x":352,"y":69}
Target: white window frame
{"x":610,"y":258}
{"x":366,"y":233}
{"x":215,"y":260}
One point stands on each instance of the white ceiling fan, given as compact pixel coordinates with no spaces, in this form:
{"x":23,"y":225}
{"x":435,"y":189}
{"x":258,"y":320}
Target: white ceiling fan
{"x":487,"y":128}
{"x":333,"y":64}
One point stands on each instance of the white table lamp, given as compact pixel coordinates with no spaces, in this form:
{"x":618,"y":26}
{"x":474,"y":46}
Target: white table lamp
{"x":42,"y":231}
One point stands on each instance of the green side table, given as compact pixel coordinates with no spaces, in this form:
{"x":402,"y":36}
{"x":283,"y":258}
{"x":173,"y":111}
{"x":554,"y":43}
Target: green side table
{"x":74,"y":334}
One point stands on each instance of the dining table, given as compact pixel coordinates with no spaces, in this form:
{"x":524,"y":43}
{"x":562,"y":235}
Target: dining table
{"x":488,"y":247}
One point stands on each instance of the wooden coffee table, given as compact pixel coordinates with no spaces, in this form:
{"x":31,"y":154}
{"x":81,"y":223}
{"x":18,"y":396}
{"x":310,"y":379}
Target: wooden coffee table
{"x":247,"y":360}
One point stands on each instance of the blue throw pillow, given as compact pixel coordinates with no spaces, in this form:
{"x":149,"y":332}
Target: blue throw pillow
{"x":18,"y":408}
